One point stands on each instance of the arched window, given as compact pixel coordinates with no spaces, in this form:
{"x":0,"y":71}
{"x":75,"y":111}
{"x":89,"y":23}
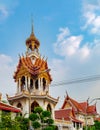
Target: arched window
{"x":36,"y":84}
{"x":19,"y":105}
{"x":22,"y":83}
{"x":30,"y":47}
{"x":44,"y":83}
{"x":49,"y":108}
{"x":31,"y":84}
{"x":33,"y":105}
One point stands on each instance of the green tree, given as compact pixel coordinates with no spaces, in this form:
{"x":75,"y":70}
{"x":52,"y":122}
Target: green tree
{"x":7,"y":123}
{"x":97,"y":125}
{"x":18,"y":123}
{"x":23,"y":122}
{"x":41,"y":119}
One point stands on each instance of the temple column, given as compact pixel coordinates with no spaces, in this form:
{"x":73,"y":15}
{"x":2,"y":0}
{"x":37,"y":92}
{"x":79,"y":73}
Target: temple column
{"x":46,"y":88}
{"x":19,"y":85}
{"x":75,"y":125}
{"x":25,"y":82}
{"x":28,"y":83}
{"x":39,"y":83}
{"x":79,"y":126}
{"x":33,"y":84}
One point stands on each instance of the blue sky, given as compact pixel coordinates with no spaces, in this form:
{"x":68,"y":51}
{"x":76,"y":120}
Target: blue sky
{"x":69,"y":34}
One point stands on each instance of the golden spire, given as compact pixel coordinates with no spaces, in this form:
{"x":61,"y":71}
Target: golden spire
{"x":32,"y":24}
{"x":32,"y":42}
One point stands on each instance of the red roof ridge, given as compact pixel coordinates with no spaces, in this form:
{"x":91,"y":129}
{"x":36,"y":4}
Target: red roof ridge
{"x":4,"y":106}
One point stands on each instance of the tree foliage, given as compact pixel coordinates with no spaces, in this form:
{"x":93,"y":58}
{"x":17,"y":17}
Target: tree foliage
{"x":36,"y":124}
{"x":97,"y":125}
{"x":18,"y":123}
{"x":23,"y":122}
{"x":41,"y":119}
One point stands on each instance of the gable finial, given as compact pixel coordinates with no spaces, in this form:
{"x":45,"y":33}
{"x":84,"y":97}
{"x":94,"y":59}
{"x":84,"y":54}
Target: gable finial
{"x":66,"y":93}
{"x":88,"y":99}
{"x":67,"y":96}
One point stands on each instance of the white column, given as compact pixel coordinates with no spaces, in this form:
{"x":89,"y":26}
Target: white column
{"x":59,"y":127}
{"x":19,"y":85}
{"x":28,"y":82}
{"x":25,"y":82}
{"x":39,"y":83}
{"x":79,"y":125}
{"x":33,"y":85}
{"x":46,"y":87}
{"x":75,"y":125}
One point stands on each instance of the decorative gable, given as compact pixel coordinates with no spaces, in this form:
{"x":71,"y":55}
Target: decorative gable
{"x":67,"y":105}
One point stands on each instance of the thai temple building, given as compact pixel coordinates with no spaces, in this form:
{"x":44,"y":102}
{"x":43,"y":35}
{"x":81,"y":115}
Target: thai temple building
{"x":73,"y":115}
{"x":33,"y":79}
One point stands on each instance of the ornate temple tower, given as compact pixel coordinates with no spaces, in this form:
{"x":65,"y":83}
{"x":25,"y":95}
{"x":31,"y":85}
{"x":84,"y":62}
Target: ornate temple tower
{"x":33,"y":80}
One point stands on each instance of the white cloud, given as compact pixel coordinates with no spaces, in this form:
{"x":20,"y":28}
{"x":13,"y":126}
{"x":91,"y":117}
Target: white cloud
{"x":67,"y":45}
{"x":6,"y":75}
{"x":5,"y":59}
{"x":64,"y":32}
{"x":96,"y":25}
{"x":91,"y":15}
{"x":3,"y":12}
{"x":84,"y":52}
{"x":57,"y":69}
{"x":7,"y":8}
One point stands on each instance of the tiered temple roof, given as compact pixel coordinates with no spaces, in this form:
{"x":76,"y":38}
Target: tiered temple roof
{"x":37,"y":68}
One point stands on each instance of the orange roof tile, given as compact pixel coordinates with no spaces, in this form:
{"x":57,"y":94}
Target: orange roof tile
{"x":33,"y":69}
{"x":84,"y":106}
{"x":91,"y":109}
{"x":63,"y":113}
{"x":66,"y":114}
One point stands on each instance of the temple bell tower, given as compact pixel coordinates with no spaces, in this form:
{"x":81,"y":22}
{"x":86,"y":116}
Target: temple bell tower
{"x":33,"y":80}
